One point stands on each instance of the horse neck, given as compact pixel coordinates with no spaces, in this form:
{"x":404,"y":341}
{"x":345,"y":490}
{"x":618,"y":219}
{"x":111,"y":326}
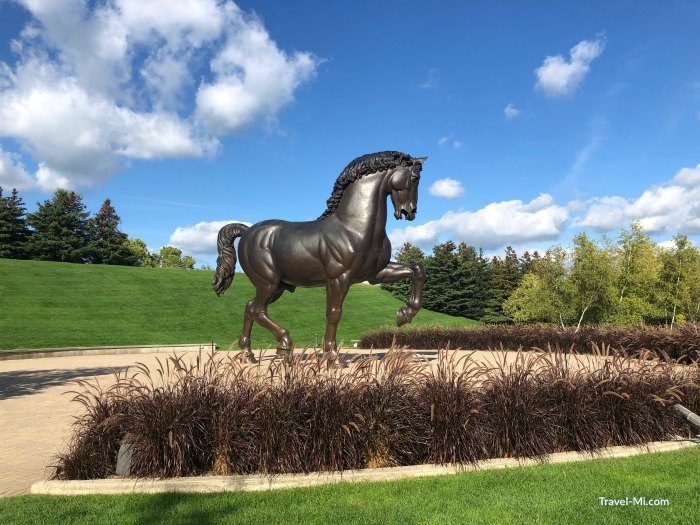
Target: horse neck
{"x":363,"y":206}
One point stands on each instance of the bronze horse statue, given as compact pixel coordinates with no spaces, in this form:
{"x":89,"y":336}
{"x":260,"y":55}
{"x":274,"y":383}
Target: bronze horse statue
{"x":347,"y":244}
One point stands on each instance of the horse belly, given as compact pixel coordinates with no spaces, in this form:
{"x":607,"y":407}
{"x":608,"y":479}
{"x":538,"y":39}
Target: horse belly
{"x":298,"y":262}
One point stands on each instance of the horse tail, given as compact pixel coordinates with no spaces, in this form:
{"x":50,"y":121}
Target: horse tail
{"x":226,"y":261}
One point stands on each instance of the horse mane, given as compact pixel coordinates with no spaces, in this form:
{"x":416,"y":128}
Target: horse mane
{"x":358,"y":168}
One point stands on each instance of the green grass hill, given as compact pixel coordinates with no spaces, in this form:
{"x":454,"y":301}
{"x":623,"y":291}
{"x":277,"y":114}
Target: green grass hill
{"x":48,"y":305}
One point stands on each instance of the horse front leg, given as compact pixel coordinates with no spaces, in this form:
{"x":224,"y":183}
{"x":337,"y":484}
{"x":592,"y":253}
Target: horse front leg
{"x":395,"y":272}
{"x":336,"y":290}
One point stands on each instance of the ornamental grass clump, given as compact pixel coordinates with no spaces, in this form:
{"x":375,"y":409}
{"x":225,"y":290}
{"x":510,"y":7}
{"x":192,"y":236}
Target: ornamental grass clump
{"x":93,"y":449}
{"x":518,"y":422}
{"x":392,"y":424}
{"x":634,"y":397}
{"x":171,"y":416}
{"x":215,"y":415}
{"x":450,"y":398}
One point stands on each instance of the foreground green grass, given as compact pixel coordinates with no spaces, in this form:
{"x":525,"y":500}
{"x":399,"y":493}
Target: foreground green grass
{"x":542,"y":494}
{"x":46,"y":304}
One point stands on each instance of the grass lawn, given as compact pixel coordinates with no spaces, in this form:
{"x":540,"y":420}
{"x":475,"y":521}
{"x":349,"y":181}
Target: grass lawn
{"x":47,"y":304}
{"x":543,"y":494}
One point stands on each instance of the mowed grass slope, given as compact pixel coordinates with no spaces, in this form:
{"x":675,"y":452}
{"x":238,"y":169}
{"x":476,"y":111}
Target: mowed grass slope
{"x":48,"y":304}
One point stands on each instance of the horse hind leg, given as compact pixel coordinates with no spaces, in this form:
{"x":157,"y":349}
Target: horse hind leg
{"x":244,"y":340}
{"x":265,"y":295}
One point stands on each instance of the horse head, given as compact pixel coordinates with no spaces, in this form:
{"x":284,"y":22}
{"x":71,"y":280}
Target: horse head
{"x":403,"y":184}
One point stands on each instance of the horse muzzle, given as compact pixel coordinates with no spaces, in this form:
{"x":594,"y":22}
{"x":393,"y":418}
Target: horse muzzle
{"x":403,"y":213}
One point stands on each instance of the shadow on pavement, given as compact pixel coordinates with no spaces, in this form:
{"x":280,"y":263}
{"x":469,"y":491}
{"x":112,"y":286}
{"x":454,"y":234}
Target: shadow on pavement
{"x":27,"y":382}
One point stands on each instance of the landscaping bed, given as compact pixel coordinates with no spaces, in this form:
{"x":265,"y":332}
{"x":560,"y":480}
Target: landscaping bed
{"x":681,"y":342}
{"x":218,"y":416}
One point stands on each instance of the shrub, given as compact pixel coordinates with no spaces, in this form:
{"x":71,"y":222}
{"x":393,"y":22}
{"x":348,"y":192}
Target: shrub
{"x":682,"y":342}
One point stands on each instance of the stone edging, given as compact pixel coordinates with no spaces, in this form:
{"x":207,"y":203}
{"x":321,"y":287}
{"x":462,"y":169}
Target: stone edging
{"x":103,"y":350}
{"x":257,"y":482}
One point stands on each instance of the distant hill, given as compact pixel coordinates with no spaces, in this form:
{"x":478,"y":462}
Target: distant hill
{"x":48,"y":304}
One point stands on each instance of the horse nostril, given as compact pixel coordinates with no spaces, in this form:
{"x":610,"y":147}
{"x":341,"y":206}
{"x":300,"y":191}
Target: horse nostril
{"x":414,"y":210}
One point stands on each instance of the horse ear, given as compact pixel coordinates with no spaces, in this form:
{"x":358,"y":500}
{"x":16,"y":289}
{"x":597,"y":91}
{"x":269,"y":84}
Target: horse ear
{"x":420,"y":159}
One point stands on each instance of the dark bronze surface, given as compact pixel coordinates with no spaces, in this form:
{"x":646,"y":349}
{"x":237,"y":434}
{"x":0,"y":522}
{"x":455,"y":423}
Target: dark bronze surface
{"x":347,"y":244}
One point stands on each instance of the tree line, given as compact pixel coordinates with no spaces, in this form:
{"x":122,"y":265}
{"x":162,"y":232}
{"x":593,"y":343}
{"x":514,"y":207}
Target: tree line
{"x":61,"y":229}
{"x":627,"y":280}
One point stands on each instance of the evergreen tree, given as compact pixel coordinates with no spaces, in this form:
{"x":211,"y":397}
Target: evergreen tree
{"x":528,"y":262}
{"x":473,"y":281}
{"x":60,"y":229}
{"x":506,"y":275}
{"x":407,"y":254}
{"x":13,"y":226}
{"x":108,"y":245}
{"x":444,"y":290}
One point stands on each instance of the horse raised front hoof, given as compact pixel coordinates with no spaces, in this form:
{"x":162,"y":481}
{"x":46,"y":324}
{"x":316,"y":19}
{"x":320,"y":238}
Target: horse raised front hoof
{"x":404,"y":315}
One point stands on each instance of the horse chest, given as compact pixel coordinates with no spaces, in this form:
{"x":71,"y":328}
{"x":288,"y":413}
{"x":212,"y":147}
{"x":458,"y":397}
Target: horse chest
{"x":369,"y":263}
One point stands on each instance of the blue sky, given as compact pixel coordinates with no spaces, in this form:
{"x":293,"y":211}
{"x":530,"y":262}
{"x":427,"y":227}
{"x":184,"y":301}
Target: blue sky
{"x":538,"y":122}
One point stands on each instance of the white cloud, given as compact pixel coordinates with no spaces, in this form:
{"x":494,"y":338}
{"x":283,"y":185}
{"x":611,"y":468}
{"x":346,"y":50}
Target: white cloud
{"x":669,"y":244}
{"x":672,"y":206}
{"x":199,"y":239}
{"x":95,"y":86}
{"x":12,"y":173}
{"x":493,"y":226}
{"x":447,"y":188}
{"x":449,"y":140}
{"x":431,"y":81}
{"x":557,"y":76}
{"x":253,"y":78}
{"x":510,"y":111}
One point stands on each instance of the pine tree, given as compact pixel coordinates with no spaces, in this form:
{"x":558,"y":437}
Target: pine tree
{"x":444,"y":290}
{"x":506,"y":275}
{"x":13,"y":226}
{"x":60,"y":229}
{"x":472,"y":281}
{"x":108,"y":245}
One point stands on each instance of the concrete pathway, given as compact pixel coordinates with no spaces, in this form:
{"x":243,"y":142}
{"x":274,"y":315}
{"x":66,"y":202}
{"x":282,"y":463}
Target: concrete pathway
{"x":36,"y":411}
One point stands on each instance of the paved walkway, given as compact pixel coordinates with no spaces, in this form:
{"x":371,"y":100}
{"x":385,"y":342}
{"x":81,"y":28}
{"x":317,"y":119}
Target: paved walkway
{"x":36,"y":411}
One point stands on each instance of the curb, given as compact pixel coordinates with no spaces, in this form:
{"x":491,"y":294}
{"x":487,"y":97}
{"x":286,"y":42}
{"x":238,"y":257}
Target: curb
{"x":102,"y":350}
{"x":258,"y":482}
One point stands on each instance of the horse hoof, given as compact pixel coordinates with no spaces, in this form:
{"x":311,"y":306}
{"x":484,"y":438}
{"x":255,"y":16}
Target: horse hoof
{"x":285,"y":354}
{"x":248,"y":357}
{"x":402,"y":317}
{"x":334,"y":361}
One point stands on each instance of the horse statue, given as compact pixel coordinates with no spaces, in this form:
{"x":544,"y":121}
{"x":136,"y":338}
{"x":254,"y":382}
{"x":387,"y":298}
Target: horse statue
{"x":347,"y":244}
